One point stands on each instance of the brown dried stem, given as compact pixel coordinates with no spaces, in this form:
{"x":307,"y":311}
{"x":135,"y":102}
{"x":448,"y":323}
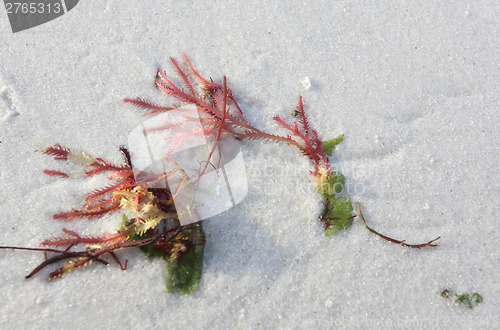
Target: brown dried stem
{"x":392,"y":240}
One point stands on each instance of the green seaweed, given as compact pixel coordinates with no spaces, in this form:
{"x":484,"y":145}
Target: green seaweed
{"x":337,"y":209}
{"x":333,"y":184}
{"x":339,"y":214}
{"x":184,"y":258}
{"x":470,"y":300}
{"x":329,"y":145}
{"x":184,"y":273}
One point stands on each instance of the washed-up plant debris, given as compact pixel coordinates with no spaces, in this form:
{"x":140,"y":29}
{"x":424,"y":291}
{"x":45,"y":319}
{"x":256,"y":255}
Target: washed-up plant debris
{"x":150,"y":215}
{"x":469,"y":300}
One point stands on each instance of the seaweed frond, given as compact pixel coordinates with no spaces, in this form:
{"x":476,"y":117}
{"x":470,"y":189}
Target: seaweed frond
{"x":308,"y":142}
{"x":147,"y":105}
{"x":57,"y":151}
{"x":71,"y":238}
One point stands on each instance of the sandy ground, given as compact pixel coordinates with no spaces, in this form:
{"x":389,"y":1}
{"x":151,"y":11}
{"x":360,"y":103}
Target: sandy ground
{"x":414,"y":88}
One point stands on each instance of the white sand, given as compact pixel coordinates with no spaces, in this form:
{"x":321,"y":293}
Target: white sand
{"x":414,"y":88}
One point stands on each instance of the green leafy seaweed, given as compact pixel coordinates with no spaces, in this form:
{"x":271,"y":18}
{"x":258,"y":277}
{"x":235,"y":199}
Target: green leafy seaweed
{"x":339,"y":214}
{"x":184,"y":273}
{"x":329,"y":145}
